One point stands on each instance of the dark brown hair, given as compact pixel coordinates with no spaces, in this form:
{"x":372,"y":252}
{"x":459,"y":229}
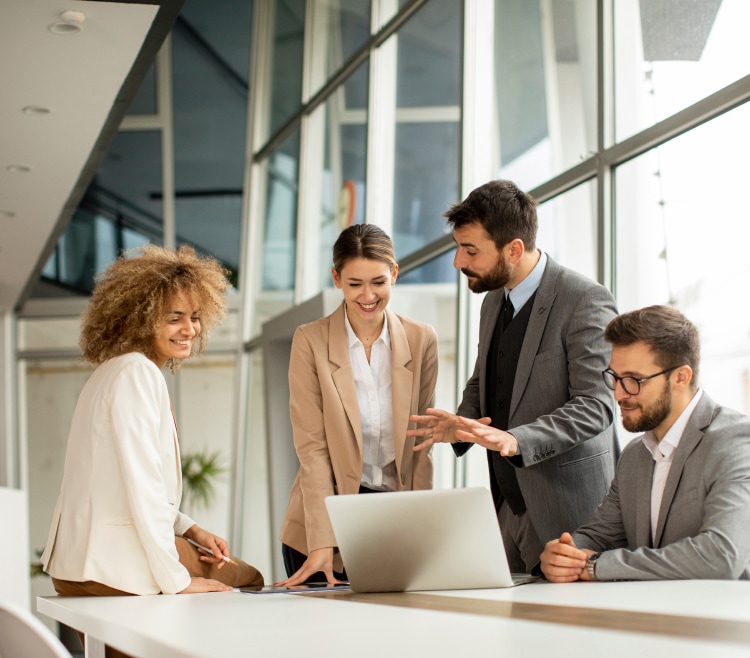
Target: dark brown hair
{"x":670,"y":335}
{"x":502,"y":209}
{"x":363,"y":241}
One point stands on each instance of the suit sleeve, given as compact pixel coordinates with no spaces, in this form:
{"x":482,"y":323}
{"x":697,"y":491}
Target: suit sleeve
{"x":583,"y":355}
{"x":316,"y":471}
{"x":720,"y":549}
{"x":470,"y":406}
{"x":136,"y":396}
{"x":427,"y":382}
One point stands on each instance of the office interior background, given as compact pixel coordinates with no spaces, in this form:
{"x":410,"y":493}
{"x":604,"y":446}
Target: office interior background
{"x":263,"y":128}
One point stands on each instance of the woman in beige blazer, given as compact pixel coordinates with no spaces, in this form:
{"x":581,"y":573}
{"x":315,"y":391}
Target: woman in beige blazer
{"x":354,"y":379}
{"x":117,"y":528}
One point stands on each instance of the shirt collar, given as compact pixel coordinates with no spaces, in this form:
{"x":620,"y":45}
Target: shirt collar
{"x":671,"y":439}
{"x":351,"y":337}
{"x":524,"y":290}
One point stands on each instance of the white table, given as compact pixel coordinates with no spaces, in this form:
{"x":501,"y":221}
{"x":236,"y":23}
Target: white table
{"x":684,"y":618}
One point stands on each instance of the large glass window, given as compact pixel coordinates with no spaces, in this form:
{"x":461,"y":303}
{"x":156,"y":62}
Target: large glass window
{"x":544,"y":75}
{"x":669,"y":209}
{"x":274,"y":265}
{"x":427,"y":136}
{"x":567,"y":229}
{"x":210,"y":69}
{"x":668,"y":55}
{"x":145,"y":100}
{"x":434,"y":304}
{"x":341,"y":28}
{"x":341,"y":124}
{"x":122,"y":208}
{"x":284,"y":97}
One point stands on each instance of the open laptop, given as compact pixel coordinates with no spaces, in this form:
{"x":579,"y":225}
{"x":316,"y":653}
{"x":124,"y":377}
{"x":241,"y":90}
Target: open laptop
{"x":421,"y":540}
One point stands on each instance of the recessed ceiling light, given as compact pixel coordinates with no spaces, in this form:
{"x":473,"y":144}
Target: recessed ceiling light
{"x":19,"y":168}
{"x":36,"y":110}
{"x":70,"y":23}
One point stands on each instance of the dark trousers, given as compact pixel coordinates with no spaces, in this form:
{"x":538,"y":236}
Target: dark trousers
{"x":293,"y":559}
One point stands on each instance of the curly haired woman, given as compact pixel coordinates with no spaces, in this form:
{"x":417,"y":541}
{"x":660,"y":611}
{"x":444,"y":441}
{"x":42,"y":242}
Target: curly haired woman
{"x":117,"y":528}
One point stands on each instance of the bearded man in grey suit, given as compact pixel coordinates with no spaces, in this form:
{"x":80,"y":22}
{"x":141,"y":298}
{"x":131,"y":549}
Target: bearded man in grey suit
{"x":679,"y":506}
{"x":536,"y":400}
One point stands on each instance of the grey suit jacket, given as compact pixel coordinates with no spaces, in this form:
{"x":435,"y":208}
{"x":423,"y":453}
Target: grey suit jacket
{"x":704,"y":519}
{"x":561,"y":412}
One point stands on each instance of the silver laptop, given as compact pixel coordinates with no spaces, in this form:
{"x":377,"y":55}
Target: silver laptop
{"x":421,"y":540}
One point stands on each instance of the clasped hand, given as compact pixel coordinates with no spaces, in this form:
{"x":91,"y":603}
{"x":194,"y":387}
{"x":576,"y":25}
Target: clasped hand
{"x":438,"y":426}
{"x":563,"y":562}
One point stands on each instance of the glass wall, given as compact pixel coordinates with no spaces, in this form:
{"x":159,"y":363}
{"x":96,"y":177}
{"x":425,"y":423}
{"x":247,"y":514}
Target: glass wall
{"x":388,"y":111}
{"x":450,"y":95}
{"x":210,"y":69}
{"x":667,"y":57}
{"x":426,"y":161}
{"x":669,"y":209}
{"x":544,"y":74}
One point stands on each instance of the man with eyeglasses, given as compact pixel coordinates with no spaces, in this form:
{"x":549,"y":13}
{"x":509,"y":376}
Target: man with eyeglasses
{"x":679,"y":505}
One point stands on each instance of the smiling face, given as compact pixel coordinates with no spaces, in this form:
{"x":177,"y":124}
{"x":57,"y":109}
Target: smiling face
{"x":174,"y":340}
{"x":479,"y":259}
{"x":366,"y":284}
{"x":653,"y":408}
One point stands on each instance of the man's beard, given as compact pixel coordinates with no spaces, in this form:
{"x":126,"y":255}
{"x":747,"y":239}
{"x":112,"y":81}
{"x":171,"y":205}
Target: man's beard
{"x":497,"y":278}
{"x":654,"y":416}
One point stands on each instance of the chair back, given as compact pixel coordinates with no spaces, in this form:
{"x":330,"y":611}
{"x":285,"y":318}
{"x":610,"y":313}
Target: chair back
{"x":22,"y":635}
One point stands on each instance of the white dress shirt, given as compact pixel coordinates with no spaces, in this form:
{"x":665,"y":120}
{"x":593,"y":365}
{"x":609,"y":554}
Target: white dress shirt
{"x":373,"y":383}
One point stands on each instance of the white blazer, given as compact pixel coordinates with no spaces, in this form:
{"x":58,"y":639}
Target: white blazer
{"x":117,"y":514}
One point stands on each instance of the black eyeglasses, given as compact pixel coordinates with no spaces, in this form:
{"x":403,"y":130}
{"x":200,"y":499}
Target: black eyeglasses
{"x":631,"y":385}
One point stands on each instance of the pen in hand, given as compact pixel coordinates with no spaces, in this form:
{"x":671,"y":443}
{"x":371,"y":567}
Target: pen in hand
{"x":210,"y":552}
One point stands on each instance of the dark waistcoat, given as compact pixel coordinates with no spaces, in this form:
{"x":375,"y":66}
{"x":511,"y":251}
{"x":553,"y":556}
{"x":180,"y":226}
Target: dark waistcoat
{"x":502,"y":362}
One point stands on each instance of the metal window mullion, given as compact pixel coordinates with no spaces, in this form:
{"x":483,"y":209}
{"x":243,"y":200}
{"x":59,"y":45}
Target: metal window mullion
{"x":312,"y":150}
{"x":253,"y":203}
{"x":165,"y":113}
{"x":381,"y":127}
{"x":478,"y":157}
{"x":605,"y":217}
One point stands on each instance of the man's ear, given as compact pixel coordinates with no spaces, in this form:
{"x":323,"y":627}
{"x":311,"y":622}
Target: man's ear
{"x":684,"y":376}
{"x":514,"y":250}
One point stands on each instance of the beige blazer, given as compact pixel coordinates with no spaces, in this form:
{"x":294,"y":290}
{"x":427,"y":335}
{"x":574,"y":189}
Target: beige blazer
{"x":118,"y":510}
{"x":326,"y":421}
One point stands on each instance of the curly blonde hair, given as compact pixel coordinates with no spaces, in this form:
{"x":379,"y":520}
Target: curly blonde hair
{"x":131,"y":299}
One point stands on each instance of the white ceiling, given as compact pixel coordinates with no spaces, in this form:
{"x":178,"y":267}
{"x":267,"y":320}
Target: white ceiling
{"x":86,"y":80}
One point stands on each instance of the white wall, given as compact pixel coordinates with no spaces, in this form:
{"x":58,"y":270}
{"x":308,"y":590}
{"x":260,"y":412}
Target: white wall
{"x":14,"y":548}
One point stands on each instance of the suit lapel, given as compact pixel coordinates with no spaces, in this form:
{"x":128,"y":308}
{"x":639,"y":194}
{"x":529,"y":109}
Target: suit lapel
{"x":402,"y":380}
{"x":341,"y":371}
{"x":691,"y":437}
{"x":540,"y":312}
{"x":644,"y":464}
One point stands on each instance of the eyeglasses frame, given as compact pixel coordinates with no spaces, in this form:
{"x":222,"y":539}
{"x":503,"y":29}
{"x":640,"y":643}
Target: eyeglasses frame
{"x":638,"y":382}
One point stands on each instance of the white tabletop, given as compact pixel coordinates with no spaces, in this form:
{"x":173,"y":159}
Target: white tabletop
{"x":509,"y":622}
